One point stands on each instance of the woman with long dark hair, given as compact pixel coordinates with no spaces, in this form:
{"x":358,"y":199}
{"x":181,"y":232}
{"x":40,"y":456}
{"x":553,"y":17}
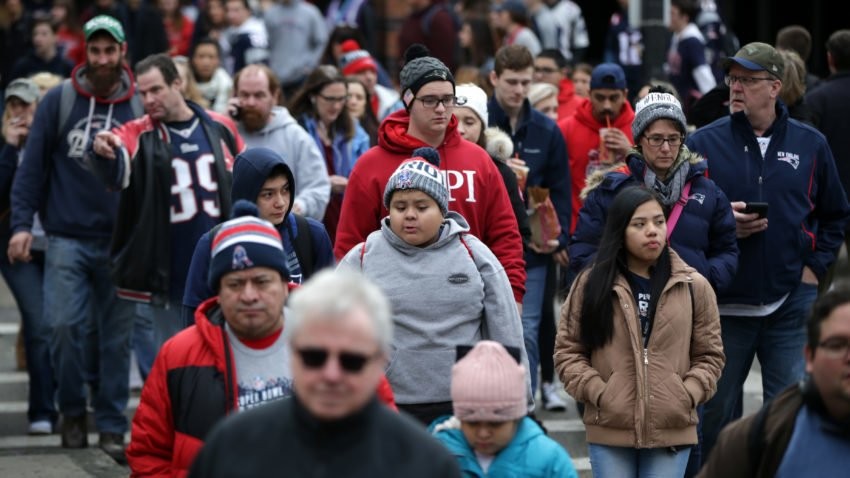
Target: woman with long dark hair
{"x":320,"y":107}
{"x":639,"y":344}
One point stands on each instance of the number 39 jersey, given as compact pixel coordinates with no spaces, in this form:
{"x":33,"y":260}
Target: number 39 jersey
{"x":195,"y":207}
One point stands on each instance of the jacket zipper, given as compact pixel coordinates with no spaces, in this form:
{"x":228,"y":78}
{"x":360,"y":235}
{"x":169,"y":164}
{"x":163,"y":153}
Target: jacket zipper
{"x":646,"y":396}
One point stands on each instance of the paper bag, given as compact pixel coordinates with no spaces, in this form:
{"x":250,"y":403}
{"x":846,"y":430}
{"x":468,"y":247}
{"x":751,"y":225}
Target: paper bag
{"x":543,"y":218}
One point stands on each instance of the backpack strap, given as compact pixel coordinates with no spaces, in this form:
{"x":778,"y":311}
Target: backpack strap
{"x":303,"y":245}
{"x":468,"y":250}
{"x":66,"y":103}
{"x":362,"y":253}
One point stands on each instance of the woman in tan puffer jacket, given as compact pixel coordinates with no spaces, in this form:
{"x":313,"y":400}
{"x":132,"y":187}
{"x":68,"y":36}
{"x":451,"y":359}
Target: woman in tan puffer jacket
{"x":639,"y":344}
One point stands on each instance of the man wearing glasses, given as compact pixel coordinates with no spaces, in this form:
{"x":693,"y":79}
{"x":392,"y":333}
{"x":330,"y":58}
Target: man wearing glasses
{"x":758,"y":154}
{"x":339,"y":333}
{"x":804,"y":431}
{"x":476,"y":189}
{"x":234,"y":358}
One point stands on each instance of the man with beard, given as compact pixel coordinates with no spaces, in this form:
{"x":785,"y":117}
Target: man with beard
{"x":173,"y":168}
{"x":262,"y":123}
{"x":78,"y":214}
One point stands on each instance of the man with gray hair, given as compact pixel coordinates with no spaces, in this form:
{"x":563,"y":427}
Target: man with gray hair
{"x":339,"y":334}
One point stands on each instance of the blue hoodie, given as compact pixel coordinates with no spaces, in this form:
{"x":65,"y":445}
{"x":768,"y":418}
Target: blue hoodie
{"x":53,"y":179}
{"x":530,"y":454}
{"x":251,"y":169}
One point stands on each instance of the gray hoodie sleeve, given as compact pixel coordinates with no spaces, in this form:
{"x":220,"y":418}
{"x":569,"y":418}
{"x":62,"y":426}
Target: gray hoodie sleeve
{"x":502,"y":321}
{"x":312,"y":184}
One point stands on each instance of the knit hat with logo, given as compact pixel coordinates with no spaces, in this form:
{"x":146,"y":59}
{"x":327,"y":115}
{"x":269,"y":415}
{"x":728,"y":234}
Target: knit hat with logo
{"x":656,"y":106}
{"x":245,"y":242}
{"x":421,"y":68}
{"x":104,"y":23}
{"x":355,"y":59}
{"x":421,"y":172}
{"x":488,"y":385}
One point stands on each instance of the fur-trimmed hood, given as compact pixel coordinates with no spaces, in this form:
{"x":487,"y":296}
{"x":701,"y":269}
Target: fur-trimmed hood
{"x":635,"y":165}
{"x":499,"y":144}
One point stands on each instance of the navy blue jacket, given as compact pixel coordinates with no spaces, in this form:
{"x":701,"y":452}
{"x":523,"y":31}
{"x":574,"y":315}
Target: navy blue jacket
{"x":704,"y":236}
{"x":538,"y":141}
{"x":798,"y":179}
{"x":54,"y":179}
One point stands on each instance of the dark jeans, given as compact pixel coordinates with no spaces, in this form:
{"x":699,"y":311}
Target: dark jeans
{"x":778,"y":340}
{"x":546,"y":334}
{"x":25,"y":281}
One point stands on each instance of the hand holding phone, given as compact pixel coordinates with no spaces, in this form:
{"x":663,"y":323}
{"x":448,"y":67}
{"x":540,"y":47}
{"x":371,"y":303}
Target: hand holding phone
{"x":759,"y":208}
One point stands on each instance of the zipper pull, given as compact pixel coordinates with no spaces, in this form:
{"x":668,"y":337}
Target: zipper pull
{"x":645,"y":357}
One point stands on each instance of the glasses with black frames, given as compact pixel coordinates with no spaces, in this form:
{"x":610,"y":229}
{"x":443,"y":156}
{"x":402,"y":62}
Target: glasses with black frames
{"x":656,"y":140}
{"x":448,"y":101}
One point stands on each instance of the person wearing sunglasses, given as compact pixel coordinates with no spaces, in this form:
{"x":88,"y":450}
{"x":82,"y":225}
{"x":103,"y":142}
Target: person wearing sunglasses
{"x":339,"y":330}
{"x":445,"y":285}
{"x":476,"y":189}
{"x":234,"y":358}
{"x":804,"y":430}
{"x":760,"y":154}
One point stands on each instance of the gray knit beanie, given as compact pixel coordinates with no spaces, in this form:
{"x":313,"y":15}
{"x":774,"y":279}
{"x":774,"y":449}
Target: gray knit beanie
{"x":420,"y":68}
{"x":655,"y":106}
{"x":421,"y":172}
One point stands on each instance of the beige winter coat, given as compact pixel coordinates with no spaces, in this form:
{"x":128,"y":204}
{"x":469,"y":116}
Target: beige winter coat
{"x":645,"y":398}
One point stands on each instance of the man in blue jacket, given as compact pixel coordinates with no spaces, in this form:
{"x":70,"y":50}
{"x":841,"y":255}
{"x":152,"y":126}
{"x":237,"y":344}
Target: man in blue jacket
{"x":78,"y":214}
{"x":759,"y":154}
{"x":539,"y":144}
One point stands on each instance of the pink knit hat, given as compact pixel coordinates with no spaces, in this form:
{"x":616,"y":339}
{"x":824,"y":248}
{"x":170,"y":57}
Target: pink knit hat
{"x":488,"y":385}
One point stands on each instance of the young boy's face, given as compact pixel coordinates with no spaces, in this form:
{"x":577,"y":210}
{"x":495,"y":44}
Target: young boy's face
{"x":489,"y":438}
{"x":415,"y":217}
{"x":273,"y":200}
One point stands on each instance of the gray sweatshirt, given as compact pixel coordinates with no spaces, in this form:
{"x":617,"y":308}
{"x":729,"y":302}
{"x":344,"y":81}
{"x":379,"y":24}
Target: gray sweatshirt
{"x":284,"y":135}
{"x":442,"y":295}
{"x":297,"y":36}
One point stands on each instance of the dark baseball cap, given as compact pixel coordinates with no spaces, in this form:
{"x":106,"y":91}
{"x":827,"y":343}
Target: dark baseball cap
{"x":107,"y":24}
{"x":757,"y":56}
{"x":608,"y":75}
{"x":517,"y":7}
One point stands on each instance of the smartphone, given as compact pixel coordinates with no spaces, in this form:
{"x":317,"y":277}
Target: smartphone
{"x":759,"y":208}
{"x":236,"y":112}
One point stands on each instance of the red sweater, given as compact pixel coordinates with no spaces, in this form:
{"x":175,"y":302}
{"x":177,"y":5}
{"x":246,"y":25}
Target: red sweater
{"x":476,"y":191}
{"x":568,"y":100}
{"x":581,"y":132}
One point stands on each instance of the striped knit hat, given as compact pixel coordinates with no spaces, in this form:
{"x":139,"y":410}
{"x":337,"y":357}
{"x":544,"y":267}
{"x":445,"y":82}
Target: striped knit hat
{"x":245,"y":242}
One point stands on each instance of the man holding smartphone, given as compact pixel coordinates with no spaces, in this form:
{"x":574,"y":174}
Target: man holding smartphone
{"x":759,"y":156}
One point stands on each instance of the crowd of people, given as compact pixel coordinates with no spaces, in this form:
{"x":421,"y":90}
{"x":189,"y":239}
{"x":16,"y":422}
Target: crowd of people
{"x":305,"y":251}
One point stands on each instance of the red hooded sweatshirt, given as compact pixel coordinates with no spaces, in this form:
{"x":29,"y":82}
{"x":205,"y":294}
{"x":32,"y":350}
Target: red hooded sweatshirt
{"x":581,"y":132}
{"x":476,"y":191}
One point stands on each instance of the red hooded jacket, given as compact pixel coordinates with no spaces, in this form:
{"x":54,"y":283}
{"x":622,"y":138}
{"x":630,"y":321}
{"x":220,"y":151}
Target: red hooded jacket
{"x":185,"y":395}
{"x":476,"y":191}
{"x":581,"y":132}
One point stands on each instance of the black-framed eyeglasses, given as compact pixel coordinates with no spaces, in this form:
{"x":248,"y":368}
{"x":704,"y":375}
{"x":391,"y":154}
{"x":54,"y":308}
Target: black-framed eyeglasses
{"x":448,"y":101}
{"x":745,"y":81}
{"x":835,"y":347}
{"x":316,"y":358}
{"x":657,"y":141}
{"x":333,"y":99}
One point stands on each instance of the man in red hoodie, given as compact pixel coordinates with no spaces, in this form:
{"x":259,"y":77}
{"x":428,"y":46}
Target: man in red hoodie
{"x":476,"y":189}
{"x":608,"y":114}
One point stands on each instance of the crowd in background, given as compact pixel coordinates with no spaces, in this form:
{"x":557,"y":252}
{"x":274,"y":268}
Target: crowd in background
{"x":536,"y":164}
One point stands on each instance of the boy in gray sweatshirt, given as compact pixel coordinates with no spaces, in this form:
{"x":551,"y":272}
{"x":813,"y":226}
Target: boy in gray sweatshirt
{"x":446,"y":287}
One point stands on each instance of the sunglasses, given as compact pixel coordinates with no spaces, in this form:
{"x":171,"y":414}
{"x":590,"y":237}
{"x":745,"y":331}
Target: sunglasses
{"x":351,"y":362}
